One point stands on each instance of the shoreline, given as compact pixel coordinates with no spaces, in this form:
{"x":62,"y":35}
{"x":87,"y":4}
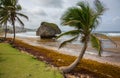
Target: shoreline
{"x":107,"y":57}
{"x":110,"y":55}
{"x":111,"y":47}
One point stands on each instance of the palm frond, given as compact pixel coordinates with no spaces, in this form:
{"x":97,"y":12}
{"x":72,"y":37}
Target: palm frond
{"x":72,"y":15}
{"x":22,"y":24}
{"x":4,"y":19}
{"x":5,"y":2}
{"x":99,"y":7}
{"x":86,"y":12}
{"x":71,"y":22}
{"x":72,"y":32}
{"x":96,"y":43}
{"x":14,"y":2}
{"x":22,"y":15}
{"x":68,"y":41}
{"x":106,"y":37}
{"x":83,"y":4}
{"x":18,"y":7}
{"x":9,"y":8}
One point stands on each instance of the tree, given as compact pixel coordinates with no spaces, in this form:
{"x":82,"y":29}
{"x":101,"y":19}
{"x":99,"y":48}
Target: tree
{"x":3,"y":16}
{"x":12,"y":8}
{"x":84,"y":19}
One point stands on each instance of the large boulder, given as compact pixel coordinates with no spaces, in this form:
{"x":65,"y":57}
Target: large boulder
{"x":48,"y":30}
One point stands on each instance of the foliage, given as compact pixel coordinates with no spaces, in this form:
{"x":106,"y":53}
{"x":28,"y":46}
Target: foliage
{"x":70,"y":40}
{"x":72,"y":32}
{"x":96,"y":43}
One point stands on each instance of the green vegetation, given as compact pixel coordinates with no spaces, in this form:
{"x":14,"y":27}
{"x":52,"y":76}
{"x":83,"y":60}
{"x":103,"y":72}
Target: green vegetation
{"x":101,"y":70}
{"x":14,"y":64}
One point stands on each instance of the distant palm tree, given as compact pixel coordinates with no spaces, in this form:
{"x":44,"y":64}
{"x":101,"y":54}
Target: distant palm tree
{"x":3,"y":16}
{"x":84,"y":19}
{"x":12,"y":8}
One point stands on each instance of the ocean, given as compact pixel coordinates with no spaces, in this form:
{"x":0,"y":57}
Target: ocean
{"x":26,"y":34}
{"x":33,"y":34}
{"x":105,"y":43}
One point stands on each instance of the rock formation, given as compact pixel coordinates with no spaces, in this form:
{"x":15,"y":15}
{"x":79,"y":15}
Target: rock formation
{"x":48,"y":30}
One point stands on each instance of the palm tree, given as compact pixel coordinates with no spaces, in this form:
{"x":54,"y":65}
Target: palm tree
{"x":4,"y":19}
{"x":84,"y":19}
{"x":3,"y":16}
{"x":12,"y":9}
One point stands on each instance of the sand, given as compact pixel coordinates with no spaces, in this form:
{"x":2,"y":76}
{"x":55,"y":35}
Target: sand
{"x":110,"y":55}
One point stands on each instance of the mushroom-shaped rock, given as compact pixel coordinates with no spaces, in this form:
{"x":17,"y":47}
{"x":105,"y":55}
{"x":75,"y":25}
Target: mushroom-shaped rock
{"x":48,"y":30}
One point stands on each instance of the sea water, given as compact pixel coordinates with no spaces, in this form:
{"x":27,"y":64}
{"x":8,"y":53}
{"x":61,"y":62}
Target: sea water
{"x":33,"y":34}
{"x":113,"y":34}
{"x":26,"y":34}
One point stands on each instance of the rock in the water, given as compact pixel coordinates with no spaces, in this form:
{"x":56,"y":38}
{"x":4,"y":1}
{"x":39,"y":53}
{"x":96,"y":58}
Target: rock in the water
{"x":48,"y":30}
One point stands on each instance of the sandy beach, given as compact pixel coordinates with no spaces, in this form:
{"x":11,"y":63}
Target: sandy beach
{"x":111,"y":53}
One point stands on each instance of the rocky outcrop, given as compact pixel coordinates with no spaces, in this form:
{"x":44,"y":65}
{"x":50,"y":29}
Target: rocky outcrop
{"x":48,"y":30}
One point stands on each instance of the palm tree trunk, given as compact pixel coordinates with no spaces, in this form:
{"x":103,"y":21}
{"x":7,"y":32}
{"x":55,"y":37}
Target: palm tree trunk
{"x":75,"y":63}
{"x":5,"y":30}
{"x":13,"y":31}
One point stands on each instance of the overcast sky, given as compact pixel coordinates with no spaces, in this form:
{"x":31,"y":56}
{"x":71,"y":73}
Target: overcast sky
{"x":52,"y":10}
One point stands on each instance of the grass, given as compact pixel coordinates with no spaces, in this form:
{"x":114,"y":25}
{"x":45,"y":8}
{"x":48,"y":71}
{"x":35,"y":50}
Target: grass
{"x":14,"y":64}
{"x":100,"y":69}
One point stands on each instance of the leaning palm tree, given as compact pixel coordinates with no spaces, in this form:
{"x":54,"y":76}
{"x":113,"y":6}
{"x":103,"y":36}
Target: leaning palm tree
{"x":12,"y":8}
{"x":84,"y":19}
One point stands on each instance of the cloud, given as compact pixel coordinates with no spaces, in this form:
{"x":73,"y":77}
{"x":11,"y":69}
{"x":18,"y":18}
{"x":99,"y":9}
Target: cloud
{"x":52,"y":10}
{"x":116,"y":19}
{"x":49,"y":3}
{"x":37,"y":11}
{"x":110,"y":24}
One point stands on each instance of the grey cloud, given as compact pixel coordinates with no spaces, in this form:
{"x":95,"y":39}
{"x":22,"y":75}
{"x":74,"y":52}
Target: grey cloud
{"x":35,"y":11}
{"x":56,"y":3}
{"x":51,"y":11}
{"x":39,"y":12}
{"x":49,"y":3}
